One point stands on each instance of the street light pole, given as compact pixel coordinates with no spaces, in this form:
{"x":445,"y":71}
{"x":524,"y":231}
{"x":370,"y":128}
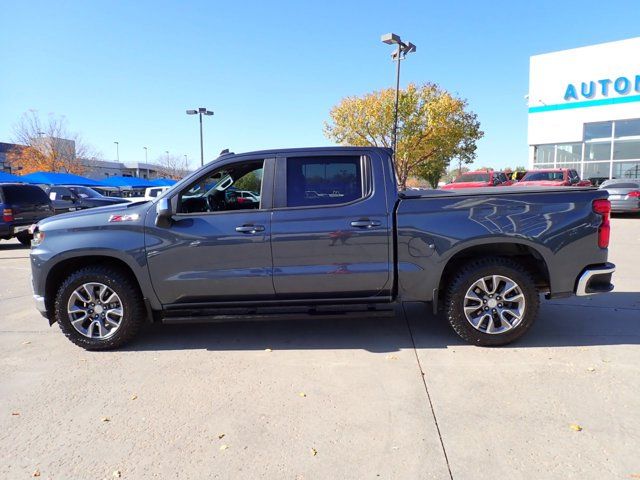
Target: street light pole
{"x":401,"y":52}
{"x":117,"y":151}
{"x":201,"y":111}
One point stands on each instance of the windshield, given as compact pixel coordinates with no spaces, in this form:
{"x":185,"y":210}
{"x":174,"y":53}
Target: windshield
{"x":472,"y":177}
{"x":619,"y":184}
{"x":543,"y":176}
{"x":85,"y":192}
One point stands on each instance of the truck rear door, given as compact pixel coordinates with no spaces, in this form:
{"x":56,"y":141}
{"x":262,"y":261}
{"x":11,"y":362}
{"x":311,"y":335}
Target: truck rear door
{"x":330,"y":227}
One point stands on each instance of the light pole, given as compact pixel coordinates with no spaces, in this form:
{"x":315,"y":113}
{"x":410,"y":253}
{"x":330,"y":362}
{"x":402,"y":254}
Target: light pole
{"x":117,"y":151}
{"x":399,"y":54}
{"x":146,"y":161}
{"x":201,"y":111}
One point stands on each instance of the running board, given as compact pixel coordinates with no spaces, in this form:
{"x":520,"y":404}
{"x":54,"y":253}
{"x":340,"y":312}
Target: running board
{"x":243,"y":313}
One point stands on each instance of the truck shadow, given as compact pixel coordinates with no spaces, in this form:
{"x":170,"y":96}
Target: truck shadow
{"x":559,"y":324}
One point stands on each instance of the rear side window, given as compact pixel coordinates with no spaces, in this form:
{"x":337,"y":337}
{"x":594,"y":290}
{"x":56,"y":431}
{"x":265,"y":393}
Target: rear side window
{"x":313,"y":181}
{"x":24,"y":194}
{"x":621,"y":185}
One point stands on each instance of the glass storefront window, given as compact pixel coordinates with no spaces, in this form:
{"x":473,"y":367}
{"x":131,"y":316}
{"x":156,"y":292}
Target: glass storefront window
{"x":626,"y":170}
{"x":569,"y":152}
{"x":597,"y":130}
{"x":626,"y":149}
{"x":627,"y":128}
{"x":597,"y":151}
{"x":544,"y":154}
{"x":596,"y":172}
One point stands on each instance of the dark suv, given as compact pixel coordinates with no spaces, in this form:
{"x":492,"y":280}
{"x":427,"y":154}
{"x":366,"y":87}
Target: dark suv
{"x":69,"y":198}
{"x":22,"y":206}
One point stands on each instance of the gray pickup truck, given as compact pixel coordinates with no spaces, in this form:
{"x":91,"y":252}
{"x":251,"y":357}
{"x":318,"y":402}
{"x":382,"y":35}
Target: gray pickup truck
{"x":330,"y":235}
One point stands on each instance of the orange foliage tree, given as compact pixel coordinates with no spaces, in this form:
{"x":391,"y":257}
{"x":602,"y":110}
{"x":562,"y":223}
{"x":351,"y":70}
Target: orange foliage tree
{"x":47,"y":146}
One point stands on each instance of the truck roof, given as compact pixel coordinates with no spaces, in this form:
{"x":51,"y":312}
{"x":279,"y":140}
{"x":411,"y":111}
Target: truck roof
{"x":303,"y":150}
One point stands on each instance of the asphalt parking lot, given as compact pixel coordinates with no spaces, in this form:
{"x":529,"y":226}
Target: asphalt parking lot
{"x":386,"y":398}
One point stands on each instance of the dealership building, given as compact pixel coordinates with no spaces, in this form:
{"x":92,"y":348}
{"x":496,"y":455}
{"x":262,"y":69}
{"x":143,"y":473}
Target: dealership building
{"x":584,"y":110}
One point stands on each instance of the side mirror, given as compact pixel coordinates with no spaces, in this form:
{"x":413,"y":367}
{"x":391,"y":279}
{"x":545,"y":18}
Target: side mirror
{"x":164,"y":213}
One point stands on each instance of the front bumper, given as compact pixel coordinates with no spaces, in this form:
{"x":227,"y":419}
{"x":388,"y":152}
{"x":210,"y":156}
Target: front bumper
{"x":595,"y":279}
{"x":40,"y":305}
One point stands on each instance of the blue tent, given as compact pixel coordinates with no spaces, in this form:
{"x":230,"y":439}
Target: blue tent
{"x":51,"y":178}
{"x":8,"y":178}
{"x":130,"y":182}
{"x":163,"y":182}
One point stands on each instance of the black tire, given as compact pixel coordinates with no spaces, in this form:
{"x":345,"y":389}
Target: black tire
{"x":473,"y":271}
{"x":130,"y":296}
{"x":25,"y":239}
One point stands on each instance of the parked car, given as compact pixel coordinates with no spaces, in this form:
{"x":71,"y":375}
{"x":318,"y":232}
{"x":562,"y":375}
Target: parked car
{"x":555,"y":177}
{"x":69,"y":198}
{"x":624,"y":194}
{"x":149,"y":194}
{"x":357,"y":247}
{"x":22,"y":205}
{"x":479,"y":178}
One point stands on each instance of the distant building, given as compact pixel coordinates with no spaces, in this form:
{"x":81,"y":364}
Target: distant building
{"x":584,"y":110}
{"x":96,"y":169}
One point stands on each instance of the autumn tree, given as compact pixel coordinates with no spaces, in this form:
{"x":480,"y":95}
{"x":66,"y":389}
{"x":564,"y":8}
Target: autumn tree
{"x":47,"y":145}
{"x":434,"y":127}
{"x":172,"y":166}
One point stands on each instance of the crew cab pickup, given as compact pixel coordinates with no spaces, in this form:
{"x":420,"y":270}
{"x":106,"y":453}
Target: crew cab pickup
{"x":331,"y":235}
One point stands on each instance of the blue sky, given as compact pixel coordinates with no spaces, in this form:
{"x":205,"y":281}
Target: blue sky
{"x":271,"y":71}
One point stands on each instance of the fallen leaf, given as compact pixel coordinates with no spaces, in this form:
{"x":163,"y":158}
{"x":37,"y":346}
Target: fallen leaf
{"x":224,"y":447}
{"x":117,"y":474}
{"x":36,"y":473}
{"x":591,"y":369}
{"x":134,"y":397}
{"x":26,"y":343}
{"x":391,"y":357}
{"x":15,"y":414}
{"x":575,"y":427}
{"x":105,"y":419}
{"x":302,"y":394}
{"x":314,"y":452}
{"x":268,"y":350}
{"x":221,"y":436}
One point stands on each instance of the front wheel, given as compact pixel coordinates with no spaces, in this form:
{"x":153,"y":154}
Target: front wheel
{"x":99,"y":308}
{"x":491,"y":301}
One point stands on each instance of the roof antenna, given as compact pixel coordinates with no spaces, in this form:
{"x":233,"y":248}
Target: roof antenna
{"x":224,"y":152}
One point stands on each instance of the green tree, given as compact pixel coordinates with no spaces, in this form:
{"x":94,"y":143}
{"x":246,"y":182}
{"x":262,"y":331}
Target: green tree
{"x":434,"y":127}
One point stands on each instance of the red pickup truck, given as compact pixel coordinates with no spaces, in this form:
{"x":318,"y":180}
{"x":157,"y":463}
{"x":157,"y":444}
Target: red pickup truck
{"x":479,"y":178}
{"x":555,"y":177}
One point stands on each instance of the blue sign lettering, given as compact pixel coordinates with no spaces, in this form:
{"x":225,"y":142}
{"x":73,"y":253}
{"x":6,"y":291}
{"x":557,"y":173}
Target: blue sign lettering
{"x":621,"y":86}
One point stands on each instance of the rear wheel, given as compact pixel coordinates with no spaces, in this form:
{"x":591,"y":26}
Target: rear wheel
{"x":491,"y":301}
{"x":99,"y":308}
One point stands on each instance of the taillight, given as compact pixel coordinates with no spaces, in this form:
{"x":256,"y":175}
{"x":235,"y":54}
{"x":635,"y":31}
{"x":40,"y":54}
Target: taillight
{"x":7,"y":215}
{"x":634,"y":194}
{"x":603,"y":207}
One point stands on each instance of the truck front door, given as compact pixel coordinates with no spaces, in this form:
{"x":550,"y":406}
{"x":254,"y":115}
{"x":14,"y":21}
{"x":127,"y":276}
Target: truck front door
{"x":215,"y":249}
{"x":330,"y":227}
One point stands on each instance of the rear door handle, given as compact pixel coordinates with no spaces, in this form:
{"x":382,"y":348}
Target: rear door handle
{"x":365,"y":223}
{"x":250,"y":229}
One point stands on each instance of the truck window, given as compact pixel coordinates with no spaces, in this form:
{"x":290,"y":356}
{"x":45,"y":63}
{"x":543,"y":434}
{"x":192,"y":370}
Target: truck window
{"x":218,"y":191}
{"x":314,"y":181}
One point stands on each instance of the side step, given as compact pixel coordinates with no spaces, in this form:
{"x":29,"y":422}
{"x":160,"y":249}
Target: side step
{"x":278,"y":313}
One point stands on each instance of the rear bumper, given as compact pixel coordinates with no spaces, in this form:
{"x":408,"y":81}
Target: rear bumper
{"x":595,"y":279}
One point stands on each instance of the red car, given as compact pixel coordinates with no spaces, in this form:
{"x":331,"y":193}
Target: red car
{"x":479,"y":178}
{"x":555,"y":177}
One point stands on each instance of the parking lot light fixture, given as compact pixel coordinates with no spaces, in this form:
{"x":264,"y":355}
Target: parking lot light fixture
{"x":402,"y":50}
{"x":200,"y":112}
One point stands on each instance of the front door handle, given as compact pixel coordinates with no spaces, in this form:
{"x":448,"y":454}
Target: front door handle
{"x":365,"y":223}
{"x":250,"y":229}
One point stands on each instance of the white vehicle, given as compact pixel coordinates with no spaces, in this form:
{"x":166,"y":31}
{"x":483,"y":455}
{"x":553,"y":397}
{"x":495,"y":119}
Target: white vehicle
{"x":149,"y":194}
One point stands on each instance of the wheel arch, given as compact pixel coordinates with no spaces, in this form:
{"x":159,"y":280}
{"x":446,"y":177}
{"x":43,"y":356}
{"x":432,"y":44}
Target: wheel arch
{"x":530,"y":257}
{"x":61,"y":269}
